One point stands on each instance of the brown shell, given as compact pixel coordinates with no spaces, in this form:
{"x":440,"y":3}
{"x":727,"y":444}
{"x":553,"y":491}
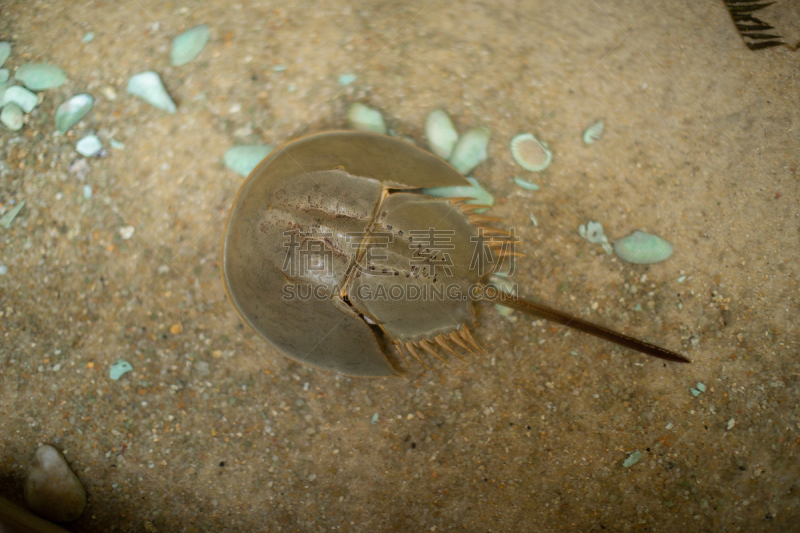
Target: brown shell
{"x":333,"y":184}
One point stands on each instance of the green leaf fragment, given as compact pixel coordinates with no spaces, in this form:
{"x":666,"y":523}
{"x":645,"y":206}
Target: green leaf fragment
{"x":11,"y":214}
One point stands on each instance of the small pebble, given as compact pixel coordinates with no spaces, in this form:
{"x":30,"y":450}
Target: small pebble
{"x":441,"y":134}
{"x":375,"y":418}
{"x":148,"y":86}
{"x":11,"y":116}
{"x":701,"y":387}
{"x":40,"y":76}
{"x":694,"y":392}
{"x":730,"y":424}
{"x":119,"y":368}
{"x":5,"y":51}
{"x":52,"y":490}
{"x":642,"y":248}
{"x":3,"y":270}
{"x":88,"y":37}
{"x":126,"y":232}
{"x":89,"y":146}
{"x":87,"y":191}
{"x":470,"y":150}
{"x":189,"y":44}
{"x":363,"y":118}
{"x":116,"y":145}
{"x":347,"y":79}
{"x":243,"y":159}
{"x":21,"y":96}
{"x":70,"y":112}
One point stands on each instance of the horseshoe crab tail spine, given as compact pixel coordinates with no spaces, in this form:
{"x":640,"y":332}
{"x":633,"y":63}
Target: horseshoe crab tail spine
{"x":548,"y":313}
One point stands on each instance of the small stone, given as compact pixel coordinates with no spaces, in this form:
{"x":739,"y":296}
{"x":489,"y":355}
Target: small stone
{"x":88,"y":37}
{"x":632,"y":459}
{"x":21,"y":96}
{"x":470,"y":150}
{"x":176,"y":328}
{"x":148,"y":86}
{"x":202,"y":368}
{"x":5,"y":51}
{"x":119,"y":368}
{"x":126,"y":232}
{"x":52,"y":490}
{"x":87,"y":191}
{"x":40,"y":76}
{"x":11,"y":116}
{"x":730,"y":424}
{"x":364,"y":118}
{"x":441,"y":134}
{"x":374,"y":418}
{"x":189,"y":44}
{"x":642,"y":248}
{"x":3,"y":270}
{"x":243,"y":159}
{"x":347,"y":79}
{"x":70,"y":112}
{"x":89,"y":146}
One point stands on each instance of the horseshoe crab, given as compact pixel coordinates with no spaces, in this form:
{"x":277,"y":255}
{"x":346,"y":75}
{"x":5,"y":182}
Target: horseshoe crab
{"x":330,"y":253}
